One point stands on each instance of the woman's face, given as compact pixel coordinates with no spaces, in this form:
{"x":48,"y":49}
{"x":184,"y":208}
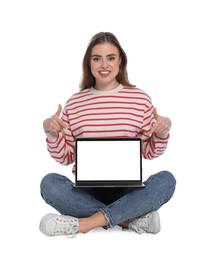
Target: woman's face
{"x":104,"y":63}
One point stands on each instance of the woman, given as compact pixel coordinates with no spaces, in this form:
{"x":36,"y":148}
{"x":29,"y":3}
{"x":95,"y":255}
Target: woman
{"x":107,"y":106}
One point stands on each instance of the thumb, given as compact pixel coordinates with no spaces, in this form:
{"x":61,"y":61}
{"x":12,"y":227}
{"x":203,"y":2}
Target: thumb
{"x":155,"y":113}
{"x":58,"y":111}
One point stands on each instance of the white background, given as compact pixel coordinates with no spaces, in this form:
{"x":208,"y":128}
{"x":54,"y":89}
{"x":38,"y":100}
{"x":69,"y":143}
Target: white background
{"x":168,"y":44}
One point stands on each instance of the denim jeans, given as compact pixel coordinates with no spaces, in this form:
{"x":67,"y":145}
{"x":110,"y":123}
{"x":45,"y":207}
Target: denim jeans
{"x":117,"y":204}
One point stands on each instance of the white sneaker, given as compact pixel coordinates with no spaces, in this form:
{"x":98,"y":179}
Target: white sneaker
{"x":149,"y":223}
{"x":54,"y":225}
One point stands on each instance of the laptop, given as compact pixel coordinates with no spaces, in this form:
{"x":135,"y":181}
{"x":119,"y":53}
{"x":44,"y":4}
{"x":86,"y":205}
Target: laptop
{"x":108,"y":162}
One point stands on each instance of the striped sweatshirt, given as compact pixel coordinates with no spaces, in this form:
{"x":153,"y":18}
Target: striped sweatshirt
{"x":124,"y":112}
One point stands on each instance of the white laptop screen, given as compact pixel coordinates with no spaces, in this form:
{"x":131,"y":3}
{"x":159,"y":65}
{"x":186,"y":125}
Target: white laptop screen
{"x":108,"y":160}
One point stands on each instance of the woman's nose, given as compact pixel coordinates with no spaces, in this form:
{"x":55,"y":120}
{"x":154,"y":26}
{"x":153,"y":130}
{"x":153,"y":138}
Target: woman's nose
{"x":104,"y":63}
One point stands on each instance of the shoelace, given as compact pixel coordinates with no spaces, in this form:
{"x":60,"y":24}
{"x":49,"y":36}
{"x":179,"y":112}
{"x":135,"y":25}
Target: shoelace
{"x":73,"y":232}
{"x":144,"y":221}
{"x":140,"y":224}
{"x":137,"y":229}
{"x":72,"y":228}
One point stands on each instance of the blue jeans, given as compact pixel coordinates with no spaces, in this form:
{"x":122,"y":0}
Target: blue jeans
{"x":117,"y":204}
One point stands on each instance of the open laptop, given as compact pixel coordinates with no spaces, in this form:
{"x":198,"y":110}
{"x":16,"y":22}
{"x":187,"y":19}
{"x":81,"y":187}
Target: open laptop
{"x":108,"y":162}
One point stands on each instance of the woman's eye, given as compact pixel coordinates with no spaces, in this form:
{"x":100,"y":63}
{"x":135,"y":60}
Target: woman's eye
{"x":96,"y":59}
{"x":111,"y":58}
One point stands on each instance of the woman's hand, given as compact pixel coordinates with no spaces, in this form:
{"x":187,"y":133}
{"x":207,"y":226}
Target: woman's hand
{"x":54,"y":125}
{"x":162,"y":125}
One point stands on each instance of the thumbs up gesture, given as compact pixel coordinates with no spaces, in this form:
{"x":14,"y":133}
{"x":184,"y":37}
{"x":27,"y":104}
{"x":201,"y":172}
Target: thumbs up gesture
{"x":54,"y":124}
{"x":162,"y":125}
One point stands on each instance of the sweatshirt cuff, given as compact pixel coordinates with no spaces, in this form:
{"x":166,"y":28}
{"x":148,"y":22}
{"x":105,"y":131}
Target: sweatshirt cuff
{"x":162,"y":137}
{"x":51,"y":138}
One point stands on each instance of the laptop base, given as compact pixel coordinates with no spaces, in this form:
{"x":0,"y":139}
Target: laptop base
{"x":86,"y":185}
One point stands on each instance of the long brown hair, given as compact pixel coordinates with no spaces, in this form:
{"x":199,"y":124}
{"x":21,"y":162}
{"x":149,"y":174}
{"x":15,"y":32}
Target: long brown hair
{"x":88,"y":80}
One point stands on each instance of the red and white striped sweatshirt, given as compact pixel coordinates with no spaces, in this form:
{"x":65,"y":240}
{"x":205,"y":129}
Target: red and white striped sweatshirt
{"x":122,"y":112}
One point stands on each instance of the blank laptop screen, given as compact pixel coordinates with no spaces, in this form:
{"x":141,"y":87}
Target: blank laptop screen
{"x":108,"y":160}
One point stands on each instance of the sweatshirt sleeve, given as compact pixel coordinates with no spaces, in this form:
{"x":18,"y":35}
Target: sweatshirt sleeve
{"x":62,"y":149}
{"x":154,"y":146}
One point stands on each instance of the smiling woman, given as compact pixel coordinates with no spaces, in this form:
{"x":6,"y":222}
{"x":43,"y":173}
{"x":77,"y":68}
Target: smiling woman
{"x":107,"y":106}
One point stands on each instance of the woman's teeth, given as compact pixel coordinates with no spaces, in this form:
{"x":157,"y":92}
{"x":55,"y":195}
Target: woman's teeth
{"x":104,"y":72}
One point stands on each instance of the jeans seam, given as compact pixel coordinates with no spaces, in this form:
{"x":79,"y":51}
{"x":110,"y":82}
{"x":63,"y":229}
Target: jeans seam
{"x":107,"y":217}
